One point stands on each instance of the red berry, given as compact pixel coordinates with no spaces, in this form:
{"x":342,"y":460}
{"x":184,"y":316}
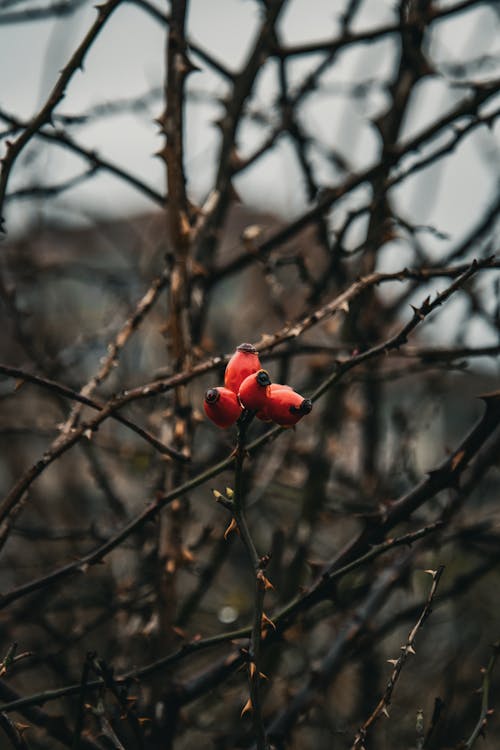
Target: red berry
{"x":244,"y":362}
{"x":222,"y":406}
{"x":285,"y":407}
{"x":273,"y":388}
{"x":254,"y":389}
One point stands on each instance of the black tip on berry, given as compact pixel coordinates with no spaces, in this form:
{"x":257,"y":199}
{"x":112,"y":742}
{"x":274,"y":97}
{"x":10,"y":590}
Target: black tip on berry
{"x":212,"y":396}
{"x":305,"y":407}
{"x":246,"y":348}
{"x":263,"y":378}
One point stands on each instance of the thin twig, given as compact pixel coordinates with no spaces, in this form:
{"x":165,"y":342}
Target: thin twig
{"x":44,"y":116}
{"x":480,"y":727}
{"x":238,"y":506}
{"x":434,"y":483}
{"x":406,"y":650}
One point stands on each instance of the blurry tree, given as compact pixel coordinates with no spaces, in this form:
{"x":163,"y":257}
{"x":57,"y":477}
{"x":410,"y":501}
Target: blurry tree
{"x":170,"y":584}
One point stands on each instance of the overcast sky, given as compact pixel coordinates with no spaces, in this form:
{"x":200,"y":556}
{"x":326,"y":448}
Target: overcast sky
{"x":128,"y":59}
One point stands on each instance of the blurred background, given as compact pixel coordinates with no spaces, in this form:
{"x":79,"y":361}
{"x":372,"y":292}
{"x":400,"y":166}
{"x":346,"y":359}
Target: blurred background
{"x":323,"y":143}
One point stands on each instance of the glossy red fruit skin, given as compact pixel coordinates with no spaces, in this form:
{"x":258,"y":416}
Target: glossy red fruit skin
{"x":254,"y":390}
{"x":222,"y":406}
{"x":273,"y":389}
{"x":244,"y":362}
{"x":286,"y":407}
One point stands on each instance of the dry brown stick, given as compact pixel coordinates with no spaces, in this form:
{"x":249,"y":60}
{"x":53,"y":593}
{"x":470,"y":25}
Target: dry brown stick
{"x":66,"y":442}
{"x":13,"y":733}
{"x":281,"y":621}
{"x":54,"y":724}
{"x":330,"y":196}
{"x":37,"y":190}
{"x":342,"y":301}
{"x":170,"y":550}
{"x":347,"y":636}
{"x":96,"y":162}
{"x":292,"y":331}
{"x":22,"y":376}
{"x":195,"y":48}
{"x":254,"y":704}
{"x":447,"y":474}
{"x":216,"y":206}
{"x":401,"y":336}
{"x":479,"y":729}
{"x":56,"y":9}
{"x":329,"y":45}
{"x":44,"y":116}
{"x":406,"y":651}
{"x":115,"y":347}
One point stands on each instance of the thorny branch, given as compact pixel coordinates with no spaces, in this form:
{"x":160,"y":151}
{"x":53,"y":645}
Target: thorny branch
{"x":44,"y":116}
{"x":486,"y":711}
{"x":340,"y":513}
{"x":153,"y":509}
{"x":407,"y":649}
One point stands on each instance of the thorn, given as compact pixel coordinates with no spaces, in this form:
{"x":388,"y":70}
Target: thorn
{"x":457,"y":459}
{"x":229,"y":493}
{"x":162,"y":154}
{"x":233,"y":526}
{"x":431,"y":572}
{"x":410,"y":650}
{"x":418,"y":312}
{"x":265,"y":582}
{"x":385,"y":712}
{"x":219,"y":123}
{"x":187,"y":555}
{"x":21,"y":728}
{"x":426,"y":303}
{"x":252,"y":669}
{"x":185,"y":66}
{"x":162,"y":120}
{"x":179,"y":631}
{"x":267,"y":621}
{"x":248,"y":707}
{"x":393,"y":661}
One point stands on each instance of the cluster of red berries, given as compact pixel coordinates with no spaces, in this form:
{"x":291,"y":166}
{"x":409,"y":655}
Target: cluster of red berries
{"x":248,"y":386}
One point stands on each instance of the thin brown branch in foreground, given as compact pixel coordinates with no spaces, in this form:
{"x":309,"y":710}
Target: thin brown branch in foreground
{"x":407,"y":649}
